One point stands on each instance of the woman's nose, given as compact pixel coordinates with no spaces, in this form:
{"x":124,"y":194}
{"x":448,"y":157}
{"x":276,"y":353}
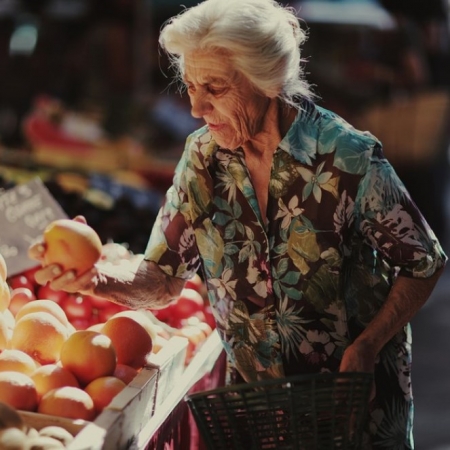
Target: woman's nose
{"x":200,"y":105}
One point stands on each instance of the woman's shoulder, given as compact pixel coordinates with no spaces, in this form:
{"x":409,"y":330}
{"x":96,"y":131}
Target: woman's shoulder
{"x":331,"y":125}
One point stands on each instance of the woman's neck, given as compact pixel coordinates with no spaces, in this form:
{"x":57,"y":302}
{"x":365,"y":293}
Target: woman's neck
{"x":277,"y":121}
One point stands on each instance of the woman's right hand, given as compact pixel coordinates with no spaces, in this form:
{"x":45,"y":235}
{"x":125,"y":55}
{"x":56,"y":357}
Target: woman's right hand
{"x":56,"y":277}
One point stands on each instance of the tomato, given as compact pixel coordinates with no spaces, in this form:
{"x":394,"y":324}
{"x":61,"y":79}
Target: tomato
{"x":186,"y":305}
{"x":46,"y":292}
{"x":98,"y":302}
{"x":195,"y":283}
{"x":21,"y":280}
{"x":29,"y":273}
{"x":105,"y":313}
{"x":77,"y":307}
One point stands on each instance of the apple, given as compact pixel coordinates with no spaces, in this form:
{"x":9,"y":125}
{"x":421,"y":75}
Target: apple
{"x":19,"y":297}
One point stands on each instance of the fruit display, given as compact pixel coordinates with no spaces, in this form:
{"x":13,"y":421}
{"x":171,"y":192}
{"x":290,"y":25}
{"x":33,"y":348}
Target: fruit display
{"x":16,"y":434}
{"x":70,"y":355}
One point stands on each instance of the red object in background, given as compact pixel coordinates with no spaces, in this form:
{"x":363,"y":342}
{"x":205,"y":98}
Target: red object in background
{"x":30,"y":274}
{"x":162,"y":314}
{"x":21,"y":281}
{"x":105,"y":313}
{"x":186,"y":305}
{"x":195,"y":283}
{"x":77,"y":307}
{"x":46,"y":292}
{"x":39,"y":130}
{"x":98,"y":302}
{"x":19,"y":297}
{"x":83,"y":324}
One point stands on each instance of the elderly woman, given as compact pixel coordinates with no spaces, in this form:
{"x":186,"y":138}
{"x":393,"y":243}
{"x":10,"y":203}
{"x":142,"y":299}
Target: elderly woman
{"x":314,"y":256}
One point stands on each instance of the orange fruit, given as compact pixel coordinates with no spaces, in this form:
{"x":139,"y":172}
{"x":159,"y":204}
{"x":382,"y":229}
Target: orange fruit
{"x":71,"y":244}
{"x":88,"y":355}
{"x":5,"y":331}
{"x":18,"y":391}
{"x":52,"y":376}
{"x":17,"y":361}
{"x":43,"y":305}
{"x":41,"y":335}
{"x":69,"y":402}
{"x":9,"y":318}
{"x":102,"y":390}
{"x":5,"y":295}
{"x":19,"y":297}
{"x":96,"y":327}
{"x":3,"y":268}
{"x":130,"y":339}
{"x":140,"y":318}
{"x":125,"y":373}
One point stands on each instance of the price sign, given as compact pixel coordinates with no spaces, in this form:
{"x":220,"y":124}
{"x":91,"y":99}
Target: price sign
{"x":25,"y":211}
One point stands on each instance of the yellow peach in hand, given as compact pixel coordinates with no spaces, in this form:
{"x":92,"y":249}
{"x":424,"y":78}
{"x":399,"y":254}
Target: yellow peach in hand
{"x":73,"y":245}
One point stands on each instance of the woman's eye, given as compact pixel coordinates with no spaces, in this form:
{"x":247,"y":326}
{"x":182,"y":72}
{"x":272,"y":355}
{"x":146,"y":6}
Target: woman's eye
{"x":216,"y":90}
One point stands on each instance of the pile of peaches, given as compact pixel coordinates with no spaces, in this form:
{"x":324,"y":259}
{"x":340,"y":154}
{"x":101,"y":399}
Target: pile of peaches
{"x":60,"y":357}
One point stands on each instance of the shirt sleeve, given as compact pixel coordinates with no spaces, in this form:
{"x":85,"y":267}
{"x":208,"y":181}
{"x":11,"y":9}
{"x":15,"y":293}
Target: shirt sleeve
{"x":172,"y":241}
{"x":391,"y":223}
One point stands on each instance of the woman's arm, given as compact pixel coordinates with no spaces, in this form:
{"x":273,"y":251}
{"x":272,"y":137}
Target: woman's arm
{"x":135,"y":284}
{"x":407,"y":296}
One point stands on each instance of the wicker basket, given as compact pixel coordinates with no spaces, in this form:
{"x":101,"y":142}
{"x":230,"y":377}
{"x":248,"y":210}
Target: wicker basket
{"x":307,"y":412}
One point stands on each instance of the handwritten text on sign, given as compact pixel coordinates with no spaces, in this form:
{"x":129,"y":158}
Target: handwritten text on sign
{"x":25,"y":211}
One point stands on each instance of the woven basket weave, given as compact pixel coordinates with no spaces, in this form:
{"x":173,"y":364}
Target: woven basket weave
{"x":307,"y":412}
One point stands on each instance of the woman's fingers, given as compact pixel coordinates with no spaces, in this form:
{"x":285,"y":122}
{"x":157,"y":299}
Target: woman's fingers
{"x":36,"y":251}
{"x":70,"y":282}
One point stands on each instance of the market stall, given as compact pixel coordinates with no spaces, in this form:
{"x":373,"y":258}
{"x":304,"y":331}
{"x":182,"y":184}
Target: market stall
{"x":150,"y":412}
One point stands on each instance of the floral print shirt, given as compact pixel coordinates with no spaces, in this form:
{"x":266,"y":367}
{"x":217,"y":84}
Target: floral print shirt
{"x":290,"y":291}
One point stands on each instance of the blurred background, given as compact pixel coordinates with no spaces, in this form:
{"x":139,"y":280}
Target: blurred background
{"x":87,"y":103}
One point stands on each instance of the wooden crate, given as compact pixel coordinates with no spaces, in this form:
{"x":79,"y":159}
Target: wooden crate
{"x":120,"y":423}
{"x":169,"y":362}
{"x":39,"y":421}
{"x":123,"y":418}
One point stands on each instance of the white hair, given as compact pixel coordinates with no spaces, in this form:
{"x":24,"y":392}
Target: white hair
{"x":262,"y":37}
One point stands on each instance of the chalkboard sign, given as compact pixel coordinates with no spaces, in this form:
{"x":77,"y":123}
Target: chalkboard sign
{"x":25,"y":211}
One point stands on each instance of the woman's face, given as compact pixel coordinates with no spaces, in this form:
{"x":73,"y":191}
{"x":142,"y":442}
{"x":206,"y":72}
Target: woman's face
{"x":223,"y":98}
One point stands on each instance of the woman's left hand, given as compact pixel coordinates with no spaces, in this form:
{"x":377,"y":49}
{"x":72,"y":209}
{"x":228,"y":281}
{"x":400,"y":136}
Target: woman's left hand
{"x":359,"y":358}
